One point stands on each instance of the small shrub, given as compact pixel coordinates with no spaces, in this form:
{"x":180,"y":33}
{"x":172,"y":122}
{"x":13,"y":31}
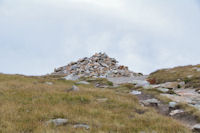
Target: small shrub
{"x":178,"y":86}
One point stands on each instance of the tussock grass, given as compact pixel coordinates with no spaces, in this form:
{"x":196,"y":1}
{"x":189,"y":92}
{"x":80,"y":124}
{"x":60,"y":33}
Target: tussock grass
{"x":26,"y":103}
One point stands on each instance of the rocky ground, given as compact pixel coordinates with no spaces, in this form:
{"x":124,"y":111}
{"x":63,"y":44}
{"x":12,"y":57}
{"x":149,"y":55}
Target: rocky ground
{"x":179,"y":85}
{"x":97,"y":95}
{"x":51,"y":104}
{"x":99,"y":65}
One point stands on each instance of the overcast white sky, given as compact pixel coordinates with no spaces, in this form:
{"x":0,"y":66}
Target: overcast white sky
{"x":38,"y":35}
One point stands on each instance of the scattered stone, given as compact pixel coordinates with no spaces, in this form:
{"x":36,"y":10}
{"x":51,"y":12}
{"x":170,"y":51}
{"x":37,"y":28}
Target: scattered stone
{"x":141,"y":83}
{"x":101,"y":86}
{"x":136,"y":92}
{"x":151,"y":102}
{"x":164,"y":90}
{"x":49,"y":83}
{"x":175,"y":112}
{"x":83,"y":82}
{"x":196,"y":128}
{"x":170,"y":85}
{"x":57,"y":122}
{"x":172,"y":104}
{"x":74,"y":88}
{"x":97,"y":66}
{"x":82,"y":126}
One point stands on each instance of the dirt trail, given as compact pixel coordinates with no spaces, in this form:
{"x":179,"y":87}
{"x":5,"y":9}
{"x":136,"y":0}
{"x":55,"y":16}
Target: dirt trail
{"x":162,"y":108}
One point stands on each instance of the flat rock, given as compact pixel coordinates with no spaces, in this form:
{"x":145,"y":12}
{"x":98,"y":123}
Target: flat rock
{"x":172,"y":104}
{"x":82,"y":126}
{"x":175,"y":112}
{"x":83,"y":82}
{"x":152,"y":102}
{"x":141,"y":83}
{"x":196,"y":128}
{"x":101,"y":86}
{"x":164,"y":90}
{"x":58,"y":122}
{"x":170,"y":85}
{"x":134,"y":92}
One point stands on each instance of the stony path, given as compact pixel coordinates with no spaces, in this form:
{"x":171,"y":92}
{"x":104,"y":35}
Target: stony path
{"x":162,"y":108}
{"x":122,"y":80}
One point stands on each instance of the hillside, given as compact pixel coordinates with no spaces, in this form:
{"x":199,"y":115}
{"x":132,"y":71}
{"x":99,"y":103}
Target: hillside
{"x":31,"y":104}
{"x":189,"y":74}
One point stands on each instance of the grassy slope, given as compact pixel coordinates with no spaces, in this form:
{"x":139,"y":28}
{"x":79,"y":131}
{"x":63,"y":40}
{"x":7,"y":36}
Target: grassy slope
{"x":182,"y":73}
{"x":26,"y":103}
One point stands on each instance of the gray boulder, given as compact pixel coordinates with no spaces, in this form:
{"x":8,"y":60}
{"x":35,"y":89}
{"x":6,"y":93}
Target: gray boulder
{"x":141,"y":83}
{"x":57,"y":122}
{"x":172,"y":104}
{"x":196,"y":128}
{"x":151,"y":102}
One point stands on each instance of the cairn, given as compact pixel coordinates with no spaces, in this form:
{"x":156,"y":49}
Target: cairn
{"x":97,"y":66}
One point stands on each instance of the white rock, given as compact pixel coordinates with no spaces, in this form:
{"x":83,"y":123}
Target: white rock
{"x":153,"y":101}
{"x":58,"y":122}
{"x":75,"y":88}
{"x":136,"y":92}
{"x":83,"y":82}
{"x":164,"y":90}
{"x":82,"y":126}
{"x":141,"y":83}
{"x":172,"y":104}
{"x":196,"y":128}
{"x":175,"y":112}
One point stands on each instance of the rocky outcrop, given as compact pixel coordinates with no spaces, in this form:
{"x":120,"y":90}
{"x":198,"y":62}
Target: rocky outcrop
{"x":97,"y":66}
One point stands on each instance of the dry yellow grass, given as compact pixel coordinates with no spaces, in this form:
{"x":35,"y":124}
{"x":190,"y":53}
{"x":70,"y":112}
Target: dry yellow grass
{"x":26,"y":103}
{"x":184,"y":73}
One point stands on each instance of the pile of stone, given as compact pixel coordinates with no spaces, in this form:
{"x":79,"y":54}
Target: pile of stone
{"x":97,"y":66}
